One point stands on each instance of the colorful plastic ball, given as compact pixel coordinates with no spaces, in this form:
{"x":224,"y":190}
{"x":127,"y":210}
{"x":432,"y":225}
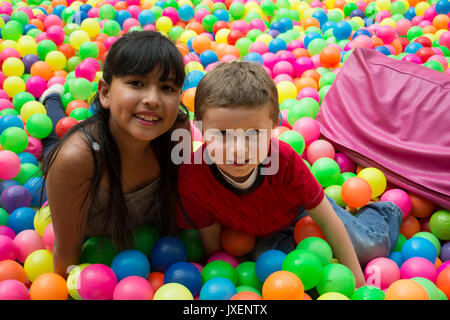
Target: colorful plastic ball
{"x":344,"y":162}
{"x":97,"y":282}
{"x":283,"y":285}
{"x":410,"y":226}
{"x":332,"y":296}
{"x":375,"y":178}
{"x":269,"y":262}
{"x":39,"y":125}
{"x":48,"y":237}
{"x":10,"y":269}
{"x":80,"y":89}
{"x":246,"y":273}
{"x":219,"y":268}
{"x":431,"y":289}
{"x":406,"y":289}
{"x":337,"y":278}
{"x":330,"y":57}
{"x":443,"y":282}
{"x":38,"y":262}
{"x":320,"y":149}
{"x":236,"y":242}
{"x":36,"y":85}
{"x":13,"y":67}
{"x":133,"y":288}
{"x":49,"y":286}
{"x":305,"y":228}
{"x":317,"y":246}
{"x":246,"y":295}
{"x":12,"y":30}
{"x":8,"y":249}
{"x":72,"y":281}
{"x":368,"y":293}
{"x":130,"y":263}
{"x":14,"y":85}
{"x":305,"y":265}
{"x":294,"y":139}
{"x":11,"y":289}
{"x":185,"y":12}
{"x":97,"y":251}
{"x":184,"y":273}
{"x":14,"y":197}
{"x":419,"y":247}
{"x":445,"y":252}
{"x":173,"y":291}
{"x":64,"y":125}
{"x":356,"y":192}
{"x":299,"y":111}
{"x":308,"y":128}
{"x":440,"y":224}
{"x":86,"y":71}
{"x":166,"y":251}
{"x":31,"y":107}
{"x":21,"y":219}
{"x":286,"y":90}
{"x":10,"y":164}
{"x":326,"y":171}
{"x":418,"y":267}
{"x":432,"y":238}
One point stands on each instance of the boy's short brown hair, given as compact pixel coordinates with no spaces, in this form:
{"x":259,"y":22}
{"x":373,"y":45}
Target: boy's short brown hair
{"x":236,"y":84}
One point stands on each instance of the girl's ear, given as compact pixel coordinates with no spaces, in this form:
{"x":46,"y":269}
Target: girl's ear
{"x":103,"y":93}
{"x":278,"y":122}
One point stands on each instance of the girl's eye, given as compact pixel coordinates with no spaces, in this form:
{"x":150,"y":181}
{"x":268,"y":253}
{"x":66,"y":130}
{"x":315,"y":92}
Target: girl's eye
{"x":168,"y":88}
{"x":135,"y":83}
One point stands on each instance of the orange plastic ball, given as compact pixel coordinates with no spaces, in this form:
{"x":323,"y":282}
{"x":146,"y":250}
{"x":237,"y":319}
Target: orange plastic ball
{"x":187,"y":98}
{"x":67,"y":50}
{"x":101,"y":37}
{"x":421,"y":207}
{"x":310,"y":22}
{"x":120,"y":5}
{"x":443,"y":282}
{"x":38,"y":24}
{"x":246,"y":295}
{"x":237,"y":242}
{"x":12,"y":270}
{"x":410,"y":226}
{"x":74,"y":104}
{"x":49,"y":286}
{"x":283,"y":285}
{"x":307,"y":297}
{"x":229,"y":49}
{"x":311,"y":74}
{"x":220,"y":49}
{"x":304,"y":82}
{"x":429,"y":29}
{"x":406,"y":289}
{"x":397,"y":46}
{"x":59,"y":2}
{"x":182,"y":48}
{"x":301,"y":52}
{"x":305,"y":228}
{"x":356,"y":192}
{"x":156,"y":280}
{"x":377,"y":41}
{"x":339,"y":4}
{"x":195,"y":26}
{"x":41,"y":69}
{"x":278,"y":131}
{"x":330,"y":57}
{"x":201,"y":43}
{"x":441,"y":21}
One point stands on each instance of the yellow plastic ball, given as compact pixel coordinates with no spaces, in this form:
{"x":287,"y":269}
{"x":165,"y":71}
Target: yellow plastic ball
{"x":421,"y":7}
{"x":294,"y":4}
{"x":13,"y":85}
{"x":439,"y":33}
{"x":381,"y":5}
{"x":430,"y":36}
{"x":222,"y":35}
{"x":76,"y":5}
{"x":173,"y":291}
{"x":98,"y":76}
{"x":308,"y":13}
{"x":193,"y":65}
{"x":164,"y":24}
{"x":91,"y":27}
{"x":77,"y":38}
{"x":27,"y":45}
{"x":2,"y":22}
{"x":42,"y":219}
{"x":9,"y":44}
{"x":375,"y":178}
{"x":333,"y":296}
{"x":72,"y":280}
{"x":358,"y":20}
{"x":13,"y":67}
{"x":31,"y":107}
{"x":329,"y":4}
{"x":303,"y":6}
{"x":388,"y":22}
{"x":186,"y":35}
{"x":286,"y":90}
{"x":56,"y":60}
{"x":264,"y":37}
{"x":37,"y":263}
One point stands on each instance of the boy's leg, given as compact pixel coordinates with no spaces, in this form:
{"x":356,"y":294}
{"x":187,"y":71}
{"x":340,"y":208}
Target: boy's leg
{"x":51,"y":99}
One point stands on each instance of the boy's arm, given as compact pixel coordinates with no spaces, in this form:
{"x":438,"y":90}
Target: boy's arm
{"x":211,"y":238}
{"x":336,"y":235}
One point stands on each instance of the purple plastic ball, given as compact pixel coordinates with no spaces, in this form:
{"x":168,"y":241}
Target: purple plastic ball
{"x":15,"y":197}
{"x":445,"y":252}
{"x":29,"y":60}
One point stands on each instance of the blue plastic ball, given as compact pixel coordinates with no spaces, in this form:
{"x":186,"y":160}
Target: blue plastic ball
{"x":166,"y":251}
{"x":279,"y":26}
{"x":321,"y":16}
{"x":254,"y":57}
{"x":121,"y":16}
{"x":413,"y":47}
{"x":361,"y":32}
{"x":217,"y":289}
{"x":28,"y":27}
{"x":442,"y":7}
{"x":367,"y":22}
{"x":357,"y":13}
{"x":192,"y":79}
{"x":34,"y":186}
{"x":186,"y":274}
{"x":342,"y":30}
{"x":419,"y":247}
{"x":57,"y":10}
{"x":79,"y":16}
{"x":130,"y":263}
{"x":328,"y":25}
{"x":85,"y":7}
{"x":383,"y":50}
{"x":21,"y":219}
{"x":287,"y":23}
{"x":396,"y":257}
{"x":8,"y":183}
{"x":222,"y":15}
{"x":9,"y":121}
{"x":310,"y":37}
{"x":269,"y":262}
{"x":277,"y":45}
{"x":207,"y":57}
{"x":146,"y":17}
{"x":410,"y":13}
{"x":185,"y":12}
{"x":26,"y":157}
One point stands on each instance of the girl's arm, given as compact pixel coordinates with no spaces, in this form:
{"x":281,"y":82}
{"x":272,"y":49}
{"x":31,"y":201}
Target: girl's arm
{"x":67,"y":185}
{"x":336,"y":235}
{"x":211,"y":238}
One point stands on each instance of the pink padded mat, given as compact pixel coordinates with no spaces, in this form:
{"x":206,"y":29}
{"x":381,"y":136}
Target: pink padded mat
{"x":395,"y":116}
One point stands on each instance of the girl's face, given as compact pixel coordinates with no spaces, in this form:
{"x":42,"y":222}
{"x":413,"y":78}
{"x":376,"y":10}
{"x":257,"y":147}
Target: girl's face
{"x":142,"y":107}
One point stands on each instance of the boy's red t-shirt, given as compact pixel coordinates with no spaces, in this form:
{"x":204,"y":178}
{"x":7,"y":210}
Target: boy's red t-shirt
{"x":269,"y":205}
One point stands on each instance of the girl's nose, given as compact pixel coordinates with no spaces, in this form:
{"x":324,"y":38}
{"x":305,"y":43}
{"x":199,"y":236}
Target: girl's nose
{"x":151,"y":97}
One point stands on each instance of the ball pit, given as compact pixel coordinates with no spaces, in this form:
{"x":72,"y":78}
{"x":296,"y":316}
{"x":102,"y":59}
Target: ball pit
{"x":302,"y":46}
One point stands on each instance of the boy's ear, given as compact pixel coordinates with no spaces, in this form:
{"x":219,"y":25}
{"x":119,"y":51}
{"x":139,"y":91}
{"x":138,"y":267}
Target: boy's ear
{"x":103,"y":93}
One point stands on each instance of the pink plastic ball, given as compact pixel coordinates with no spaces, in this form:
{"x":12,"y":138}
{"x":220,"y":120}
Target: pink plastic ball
{"x":402,"y":26}
{"x":439,"y":59}
{"x":308,"y":128}
{"x":284,"y":121}
{"x":133,"y":288}
{"x":129,"y":23}
{"x":400,"y":198}
{"x":93,"y":62}
{"x":319,"y":149}
{"x":385,"y":33}
{"x":438,"y":51}
{"x":444,"y":39}
{"x":6,"y":104}
{"x":8,"y":249}
{"x":413,"y":58}
{"x":211,"y":66}
{"x":97,"y":282}
{"x":362,"y":5}
{"x":26,"y":242}
{"x":228,"y":58}
{"x":41,"y":36}
{"x":344,"y":162}
{"x":191,"y":57}
{"x":3,"y":94}
{"x":109,"y":42}
{"x":316,"y":4}
{"x":416,"y":20}
{"x":257,"y":24}
{"x":7,"y":231}
{"x":308,"y":92}
{"x":56,"y":34}
{"x":418,"y":267}
{"x":259,"y":47}
{"x":94,"y":13}
{"x":52,"y":20}
{"x":86,"y":71}
{"x":133,"y":2}
{"x":9,"y":53}
{"x":282,"y":77}
{"x":224,"y":256}
{"x":382,"y":15}
{"x":200,"y":14}
{"x":270,"y":59}
{"x":424,"y":23}
{"x":429,"y":14}
{"x":269,"y":72}
{"x":362,"y":41}
{"x":240,"y":25}
{"x":288,"y":56}
{"x":56,"y":80}
{"x":13,"y":290}
{"x":301,"y":65}
{"x":316,"y":60}
{"x":171,"y":13}
{"x":34,"y":147}
{"x":48,"y":237}
{"x":36,"y":85}
{"x":283,"y":67}
{"x":381,"y":273}
{"x":198,"y":266}
{"x":295,"y":44}
{"x":446,"y":264}
{"x":28,"y":11}
{"x":134,"y":11}
{"x":10,"y":164}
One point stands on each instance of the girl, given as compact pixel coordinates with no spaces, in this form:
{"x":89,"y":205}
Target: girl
{"x":113,"y":172}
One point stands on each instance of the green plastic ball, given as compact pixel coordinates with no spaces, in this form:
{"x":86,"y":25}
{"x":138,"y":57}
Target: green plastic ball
{"x":337,"y":278}
{"x":319,"y":247}
{"x":435,"y":65}
{"x":219,"y":268}
{"x":39,"y":125}
{"x":193,"y":243}
{"x":88,"y":50}
{"x":236,"y":10}
{"x":299,"y":110}
{"x":145,"y":237}
{"x":327,"y":79}
{"x":20,"y":99}
{"x":305,"y":265}
{"x":97,"y":250}
{"x":400,"y":242}
{"x":44,"y":47}
{"x":268,"y":7}
{"x":326,"y":171}
{"x":111,"y":28}
{"x":208,"y":22}
{"x":368,"y":293}
{"x":12,"y":30}
{"x":440,"y":224}
{"x":246,"y":274}
{"x":430,"y":287}
{"x":4,"y":216}
{"x":27,"y":171}
{"x":14,"y":139}
{"x":316,"y":46}
{"x":80,"y":89}
{"x":107,"y":12}
{"x":248,"y":288}
{"x":430,"y":237}
{"x":345,"y":176}
{"x":80,"y":114}
{"x":334,"y":192}
{"x":294,"y":139}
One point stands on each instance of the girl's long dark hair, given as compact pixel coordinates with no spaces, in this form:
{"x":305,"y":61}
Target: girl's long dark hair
{"x":134,"y":53}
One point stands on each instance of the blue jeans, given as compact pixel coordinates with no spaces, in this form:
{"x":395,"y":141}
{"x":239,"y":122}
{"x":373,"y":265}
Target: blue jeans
{"x":55,"y":112}
{"x":373,"y":231}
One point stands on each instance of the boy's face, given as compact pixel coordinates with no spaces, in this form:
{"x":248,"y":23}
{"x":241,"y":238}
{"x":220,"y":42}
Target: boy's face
{"x":237,"y":138}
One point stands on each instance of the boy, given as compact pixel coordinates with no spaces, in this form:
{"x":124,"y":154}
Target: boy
{"x":257,"y":187}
